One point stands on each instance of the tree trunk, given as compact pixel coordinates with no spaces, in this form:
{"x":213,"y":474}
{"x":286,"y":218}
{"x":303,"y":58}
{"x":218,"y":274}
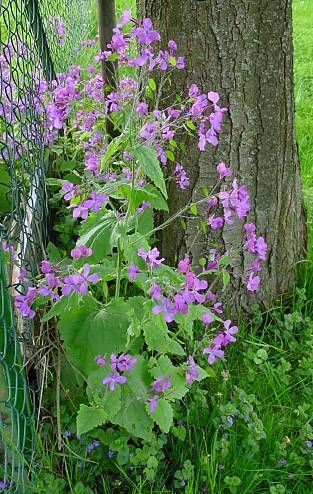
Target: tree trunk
{"x":243,"y":50}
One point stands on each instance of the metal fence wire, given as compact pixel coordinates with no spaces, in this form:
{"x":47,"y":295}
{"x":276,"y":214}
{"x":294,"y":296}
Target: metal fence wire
{"x":38,"y":38}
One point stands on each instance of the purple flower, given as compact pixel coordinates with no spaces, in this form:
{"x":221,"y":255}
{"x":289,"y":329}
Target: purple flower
{"x":180,"y":303}
{"x":193,"y":91}
{"x":80,"y":211}
{"x":253,"y":283}
{"x":172,"y":45}
{"x":125,"y":17}
{"x":161,"y":384}
{"x":192,"y":288}
{"x":214,"y":97}
{"x":22,"y":274}
{"x":167,"y":307}
{"x":144,"y":205}
{"x":127,"y":156}
{"x":223,"y":170}
{"x":181,"y":176}
{"x":67,"y":434}
{"x":229,"y":332}
{"x":214,"y":352}
{"x":261,"y":248}
{"x":95,"y":444}
{"x":148,"y":130}
{"x":173,"y":113}
{"x":101,"y":361}
{"x":309,"y":444}
{"x":207,"y":318}
{"x":46,"y":267}
{"x":79,"y":282}
{"x":212,"y":201}
{"x":95,"y":202}
{"x":150,"y":257}
{"x":124,"y":362}
{"x":155,"y":291}
{"x":23,"y":303}
{"x":184,"y":264}
{"x":8,"y":248}
{"x":81,"y":251}
{"x":91,"y":162}
{"x":70,"y":190}
{"x":142,"y":108}
{"x":114,"y":379}
{"x":216,"y":222}
{"x":217,"y":308}
{"x":133,"y":270}
{"x":153,"y":402}
{"x":145,"y":33}
{"x":192,"y":370}
{"x":180,"y":63}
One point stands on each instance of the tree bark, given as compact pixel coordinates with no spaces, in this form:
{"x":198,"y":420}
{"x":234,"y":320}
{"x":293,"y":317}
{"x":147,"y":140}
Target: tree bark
{"x":242,"y":49}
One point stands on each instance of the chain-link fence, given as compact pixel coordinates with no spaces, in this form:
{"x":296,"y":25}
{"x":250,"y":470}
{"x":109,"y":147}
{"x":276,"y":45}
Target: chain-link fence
{"x":38,"y":38}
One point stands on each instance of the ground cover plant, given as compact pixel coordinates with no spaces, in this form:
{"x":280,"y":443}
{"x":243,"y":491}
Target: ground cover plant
{"x":136,"y":347}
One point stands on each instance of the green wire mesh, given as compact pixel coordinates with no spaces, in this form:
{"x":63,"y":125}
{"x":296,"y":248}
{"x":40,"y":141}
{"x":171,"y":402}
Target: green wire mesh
{"x":34,"y":46}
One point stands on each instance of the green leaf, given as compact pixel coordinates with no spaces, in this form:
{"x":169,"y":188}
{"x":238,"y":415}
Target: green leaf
{"x":224,"y":261}
{"x":133,"y":415}
{"x":190,"y":125}
{"x":112,"y":148}
{"x":134,"y":242}
{"x":88,"y":418}
{"x":150,"y":165}
{"x":193,"y":209}
{"x":54,"y":182}
{"x":145,"y":222}
{"x":53,"y":253}
{"x":68,"y":165}
{"x":137,"y":196}
{"x":158,"y":202}
{"x":158,"y":339}
{"x":66,"y":304}
{"x":162,"y":415}
{"x":99,"y":236}
{"x":163,"y":367}
{"x":172,"y":61}
{"x":99,"y":393}
{"x":226,"y":279}
{"x":170,"y":155}
{"x":87,"y":332}
{"x":152,"y":84}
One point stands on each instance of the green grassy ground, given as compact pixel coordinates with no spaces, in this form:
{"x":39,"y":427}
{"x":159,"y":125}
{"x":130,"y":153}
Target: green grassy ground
{"x":251,"y":433}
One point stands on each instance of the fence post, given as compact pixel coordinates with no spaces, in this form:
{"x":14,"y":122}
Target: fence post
{"x":107,"y":22}
{"x":35,"y":21}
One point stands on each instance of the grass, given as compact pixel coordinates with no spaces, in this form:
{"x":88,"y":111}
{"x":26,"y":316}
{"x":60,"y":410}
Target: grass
{"x":248,"y":431}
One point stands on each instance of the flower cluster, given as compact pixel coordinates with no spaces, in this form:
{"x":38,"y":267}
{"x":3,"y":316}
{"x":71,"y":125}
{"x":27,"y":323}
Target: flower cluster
{"x":192,"y":291}
{"x":220,"y":341}
{"x":118,"y":366}
{"x":94,"y":203}
{"x":158,"y":386}
{"x":151,"y":257}
{"x":258,"y":248}
{"x":53,"y":285}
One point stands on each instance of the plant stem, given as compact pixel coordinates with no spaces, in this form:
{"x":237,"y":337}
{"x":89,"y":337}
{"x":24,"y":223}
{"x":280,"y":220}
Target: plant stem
{"x":119,"y":268}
